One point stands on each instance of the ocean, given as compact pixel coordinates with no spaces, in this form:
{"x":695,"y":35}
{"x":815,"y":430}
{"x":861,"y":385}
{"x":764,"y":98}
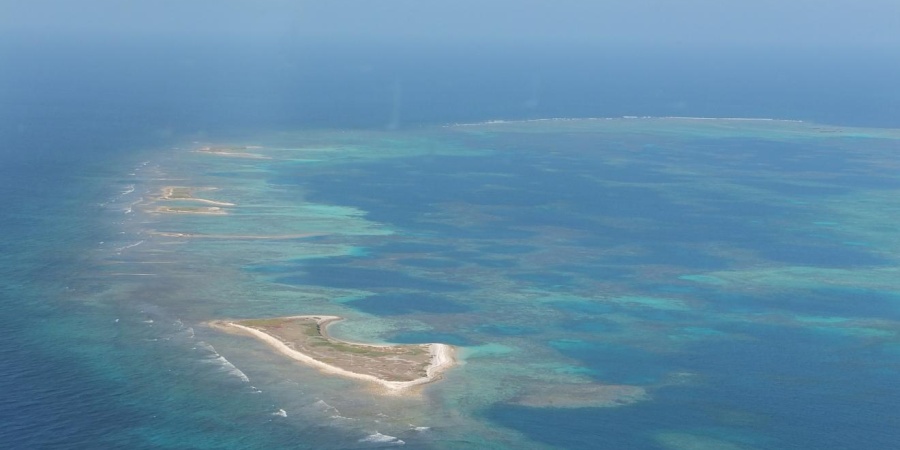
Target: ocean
{"x":644,"y":282}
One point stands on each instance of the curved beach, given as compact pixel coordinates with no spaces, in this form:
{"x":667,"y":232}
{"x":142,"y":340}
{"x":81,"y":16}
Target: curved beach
{"x":348,"y":359}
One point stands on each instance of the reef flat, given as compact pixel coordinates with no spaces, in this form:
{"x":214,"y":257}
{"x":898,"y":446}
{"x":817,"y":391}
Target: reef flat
{"x":635,"y":281}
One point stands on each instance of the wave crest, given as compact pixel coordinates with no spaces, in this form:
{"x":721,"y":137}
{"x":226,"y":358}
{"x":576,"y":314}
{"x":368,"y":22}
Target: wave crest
{"x":378,"y":438}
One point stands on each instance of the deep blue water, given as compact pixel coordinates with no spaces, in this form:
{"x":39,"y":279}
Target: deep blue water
{"x":74,"y":114}
{"x":803,"y":388}
{"x":776,"y":386}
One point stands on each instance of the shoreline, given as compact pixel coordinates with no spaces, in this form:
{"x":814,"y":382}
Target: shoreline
{"x":442,"y":356}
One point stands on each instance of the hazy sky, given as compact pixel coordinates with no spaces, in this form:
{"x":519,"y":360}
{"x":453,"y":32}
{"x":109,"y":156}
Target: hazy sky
{"x":813,"y":22}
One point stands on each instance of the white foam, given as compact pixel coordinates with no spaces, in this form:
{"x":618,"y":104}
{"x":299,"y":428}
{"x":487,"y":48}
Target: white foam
{"x":327,"y":408}
{"x":130,"y":208}
{"x":340,"y":417}
{"x":126,"y":247}
{"x":378,"y":438}
{"x":207,"y":347}
{"x":420,"y":429}
{"x":232,"y":369}
{"x":128,"y":189}
{"x":280,"y":413}
{"x":184,"y":330}
{"x":226,"y":365}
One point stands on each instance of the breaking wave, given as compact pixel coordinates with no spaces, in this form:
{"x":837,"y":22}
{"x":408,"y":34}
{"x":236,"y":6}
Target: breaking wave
{"x":226,"y":365}
{"x":378,"y":438}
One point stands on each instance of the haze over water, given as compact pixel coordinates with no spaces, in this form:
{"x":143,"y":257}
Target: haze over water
{"x":655,"y":283}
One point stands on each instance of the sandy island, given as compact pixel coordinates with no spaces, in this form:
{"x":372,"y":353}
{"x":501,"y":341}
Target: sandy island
{"x":305,"y":339}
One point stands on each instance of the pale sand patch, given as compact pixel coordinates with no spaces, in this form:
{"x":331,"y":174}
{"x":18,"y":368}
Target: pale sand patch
{"x":230,"y":152}
{"x":200,"y":210}
{"x":187,"y":194}
{"x":235,"y":236}
{"x":442,"y":356}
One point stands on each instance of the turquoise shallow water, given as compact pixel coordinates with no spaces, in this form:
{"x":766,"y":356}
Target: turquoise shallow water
{"x":610,"y":284}
{"x":659,"y":284}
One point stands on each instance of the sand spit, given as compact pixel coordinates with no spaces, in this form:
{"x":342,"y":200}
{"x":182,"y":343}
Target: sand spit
{"x":200,"y":210}
{"x":304,"y":338}
{"x":233,"y":152}
{"x":184,"y":193}
{"x":274,"y":237}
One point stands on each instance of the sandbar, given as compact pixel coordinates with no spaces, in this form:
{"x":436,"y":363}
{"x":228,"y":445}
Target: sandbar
{"x":304,"y":338}
{"x":202,"y":210}
{"x":234,"y":152}
{"x":237,"y":236}
{"x":187,"y":194}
